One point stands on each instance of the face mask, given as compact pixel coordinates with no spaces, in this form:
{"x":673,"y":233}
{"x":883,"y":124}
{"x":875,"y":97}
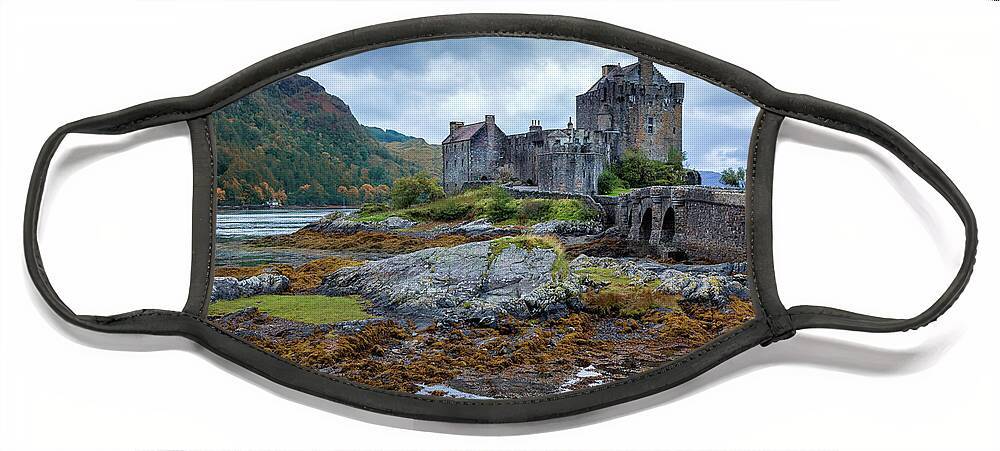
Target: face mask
{"x":486,"y":218}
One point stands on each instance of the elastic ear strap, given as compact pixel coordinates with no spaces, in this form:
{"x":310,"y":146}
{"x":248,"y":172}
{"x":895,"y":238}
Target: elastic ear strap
{"x":856,"y":122}
{"x":145,"y":321}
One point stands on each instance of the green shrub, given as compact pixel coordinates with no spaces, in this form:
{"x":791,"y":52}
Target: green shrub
{"x":417,"y":189}
{"x":637,"y":170}
{"x":609,"y":182}
{"x":373,"y":208}
{"x":447,"y":209}
{"x":500,"y":206}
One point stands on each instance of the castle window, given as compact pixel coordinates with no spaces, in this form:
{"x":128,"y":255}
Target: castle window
{"x":649,"y":124}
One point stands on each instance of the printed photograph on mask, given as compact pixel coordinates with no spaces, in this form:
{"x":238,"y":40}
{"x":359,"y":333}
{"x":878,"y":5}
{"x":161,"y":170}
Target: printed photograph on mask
{"x":482,"y":218}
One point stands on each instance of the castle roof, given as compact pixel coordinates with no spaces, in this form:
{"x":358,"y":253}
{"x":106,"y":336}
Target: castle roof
{"x":630,"y":73}
{"x":464,"y":133}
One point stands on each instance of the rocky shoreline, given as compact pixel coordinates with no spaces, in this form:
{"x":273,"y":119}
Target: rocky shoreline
{"x":474,"y":309}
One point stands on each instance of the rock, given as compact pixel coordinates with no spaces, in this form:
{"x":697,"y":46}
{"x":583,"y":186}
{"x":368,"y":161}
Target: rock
{"x":266,"y":283}
{"x":706,"y":284}
{"x":395,"y":222}
{"x":345,"y":226}
{"x":712,"y":290}
{"x":226,"y":288}
{"x":479,"y":228}
{"x":470,"y":283}
{"x":567,"y":228}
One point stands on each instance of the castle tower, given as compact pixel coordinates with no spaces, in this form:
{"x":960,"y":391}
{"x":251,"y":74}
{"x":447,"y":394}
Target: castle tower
{"x":636,"y":108}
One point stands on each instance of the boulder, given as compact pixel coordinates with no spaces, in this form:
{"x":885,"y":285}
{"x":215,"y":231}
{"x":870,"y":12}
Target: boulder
{"x":226,"y":288}
{"x":472,"y":283}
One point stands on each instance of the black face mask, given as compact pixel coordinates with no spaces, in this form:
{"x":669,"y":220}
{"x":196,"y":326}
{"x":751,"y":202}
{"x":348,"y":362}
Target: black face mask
{"x":397,"y":219}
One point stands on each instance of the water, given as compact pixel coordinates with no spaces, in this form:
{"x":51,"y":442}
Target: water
{"x":234,"y":227}
{"x":242,"y":224}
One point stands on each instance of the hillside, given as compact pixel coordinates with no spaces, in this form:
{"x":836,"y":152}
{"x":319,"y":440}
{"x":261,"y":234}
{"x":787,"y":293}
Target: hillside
{"x":293,"y":142}
{"x":416,"y":150}
{"x":387,"y":135}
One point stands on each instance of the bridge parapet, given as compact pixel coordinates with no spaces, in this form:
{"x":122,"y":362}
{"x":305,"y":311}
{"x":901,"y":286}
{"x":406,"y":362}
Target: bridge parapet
{"x":701,"y":222}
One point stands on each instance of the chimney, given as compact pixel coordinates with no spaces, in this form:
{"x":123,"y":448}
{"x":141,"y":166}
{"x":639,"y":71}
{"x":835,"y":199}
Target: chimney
{"x":645,"y":71}
{"x":607,"y":68}
{"x":454,"y":125}
{"x":569,"y":125}
{"x":536,"y":125}
{"x":491,"y":119}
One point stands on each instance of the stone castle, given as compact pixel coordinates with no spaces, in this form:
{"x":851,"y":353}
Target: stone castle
{"x":630,"y":107}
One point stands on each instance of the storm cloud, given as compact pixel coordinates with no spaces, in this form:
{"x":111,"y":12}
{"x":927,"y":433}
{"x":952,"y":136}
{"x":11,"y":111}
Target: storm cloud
{"x":418,"y":88}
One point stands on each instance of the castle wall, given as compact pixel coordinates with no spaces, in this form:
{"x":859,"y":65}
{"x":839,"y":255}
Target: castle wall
{"x":455,"y":166}
{"x":569,"y":171}
{"x":484,"y":156}
{"x":520,"y":153}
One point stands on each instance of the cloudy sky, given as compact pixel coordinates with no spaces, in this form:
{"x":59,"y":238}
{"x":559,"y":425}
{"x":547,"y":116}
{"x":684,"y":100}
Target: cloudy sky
{"x":418,"y":88}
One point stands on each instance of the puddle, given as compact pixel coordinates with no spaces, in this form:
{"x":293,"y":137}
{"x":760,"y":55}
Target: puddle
{"x":448,"y":392}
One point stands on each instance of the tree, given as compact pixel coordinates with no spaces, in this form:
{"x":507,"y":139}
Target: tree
{"x":417,"y":189}
{"x":734,"y":177}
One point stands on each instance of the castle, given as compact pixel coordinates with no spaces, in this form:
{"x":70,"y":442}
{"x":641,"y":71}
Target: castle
{"x":630,"y":107}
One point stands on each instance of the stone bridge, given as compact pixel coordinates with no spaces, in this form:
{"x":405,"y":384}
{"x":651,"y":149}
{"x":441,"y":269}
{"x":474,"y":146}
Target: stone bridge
{"x":696,"y":221}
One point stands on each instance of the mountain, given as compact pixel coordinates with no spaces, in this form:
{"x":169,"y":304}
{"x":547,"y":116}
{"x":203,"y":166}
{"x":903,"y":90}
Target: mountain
{"x":293,"y":142}
{"x":709,"y":178}
{"x":416,"y":150}
{"x":387,"y":135}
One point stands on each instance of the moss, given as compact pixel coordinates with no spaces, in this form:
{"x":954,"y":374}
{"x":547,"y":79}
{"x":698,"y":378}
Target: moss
{"x":360,"y":241}
{"x":312,"y":309}
{"x":627,"y":303}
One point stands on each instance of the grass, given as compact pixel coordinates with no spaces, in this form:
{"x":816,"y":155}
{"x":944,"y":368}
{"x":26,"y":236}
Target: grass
{"x":315,"y":309}
{"x":619,"y":191}
{"x":476,"y":204}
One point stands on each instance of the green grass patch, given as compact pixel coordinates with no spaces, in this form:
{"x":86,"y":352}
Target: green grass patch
{"x":619,"y":191}
{"x":315,"y":309}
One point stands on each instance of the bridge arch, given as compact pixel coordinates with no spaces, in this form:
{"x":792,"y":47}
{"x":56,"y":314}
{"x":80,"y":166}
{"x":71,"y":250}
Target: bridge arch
{"x":669,"y":226}
{"x":646,"y":224}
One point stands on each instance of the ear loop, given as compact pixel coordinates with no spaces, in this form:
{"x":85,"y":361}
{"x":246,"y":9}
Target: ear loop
{"x":858,"y":123}
{"x":148,"y":321}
